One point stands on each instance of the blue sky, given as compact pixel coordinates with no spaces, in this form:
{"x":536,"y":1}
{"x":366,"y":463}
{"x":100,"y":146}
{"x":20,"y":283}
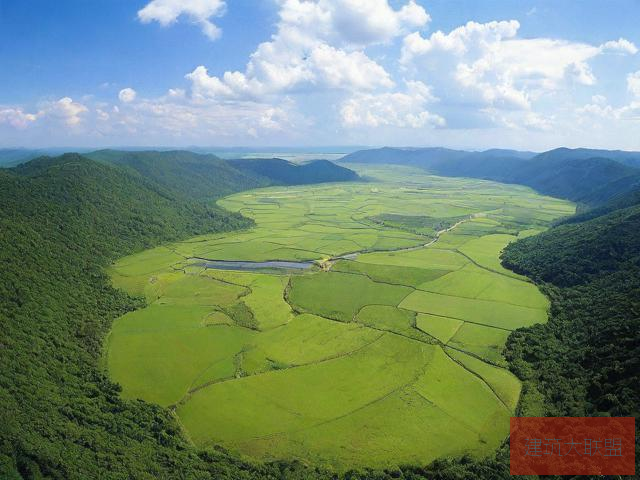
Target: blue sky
{"x":468,"y":74}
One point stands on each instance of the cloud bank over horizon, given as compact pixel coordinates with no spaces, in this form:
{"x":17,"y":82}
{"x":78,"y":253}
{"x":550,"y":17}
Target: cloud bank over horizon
{"x":355,"y":72}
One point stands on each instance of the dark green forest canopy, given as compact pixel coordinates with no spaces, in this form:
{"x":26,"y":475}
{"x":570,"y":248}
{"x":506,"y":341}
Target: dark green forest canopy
{"x":61,"y":221}
{"x":586,"y":359}
{"x":64,"y":219}
{"x":205,"y":176}
{"x":186,"y":173}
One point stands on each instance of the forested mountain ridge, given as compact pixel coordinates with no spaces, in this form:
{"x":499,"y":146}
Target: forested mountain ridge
{"x":586,"y":359}
{"x":589,"y":177}
{"x":197,"y":176}
{"x":76,"y":190}
{"x":579,"y":180}
{"x":62,"y":221}
{"x":205,"y":176}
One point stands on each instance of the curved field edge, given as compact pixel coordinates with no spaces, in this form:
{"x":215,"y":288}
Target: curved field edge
{"x":318,"y":227}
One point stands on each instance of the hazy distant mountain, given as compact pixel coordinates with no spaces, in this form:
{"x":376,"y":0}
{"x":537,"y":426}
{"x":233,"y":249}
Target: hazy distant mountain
{"x":418,"y":157}
{"x":286,"y":173}
{"x":502,"y":153}
{"x":492,"y":164}
{"x":430,"y":156}
{"x":10,"y":157}
{"x":13,"y":156}
{"x":575,"y":178}
{"x":628,"y":158}
{"x":586,"y":176}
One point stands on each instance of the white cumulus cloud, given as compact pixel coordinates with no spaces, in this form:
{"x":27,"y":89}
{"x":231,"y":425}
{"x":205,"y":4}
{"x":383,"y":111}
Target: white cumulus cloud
{"x":127,"y":95}
{"x":398,"y":109}
{"x":366,"y":22}
{"x":472,"y":36}
{"x":199,"y":12}
{"x":184,"y":119}
{"x":491,"y":65}
{"x":17,"y":117}
{"x":66,"y":110}
{"x":633,"y":83}
{"x":622,"y":45}
{"x":317,"y":45}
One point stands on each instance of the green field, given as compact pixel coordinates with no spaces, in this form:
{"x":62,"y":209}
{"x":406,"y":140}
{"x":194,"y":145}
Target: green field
{"x":386,"y":357}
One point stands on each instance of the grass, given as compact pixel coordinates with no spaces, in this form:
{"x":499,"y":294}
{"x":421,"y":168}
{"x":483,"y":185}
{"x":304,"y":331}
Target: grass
{"x":485,"y":251}
{"x":341,"y":295}
{"x":442,"y":328}
{"x":464,"y":397}
{"x":389,"y":358}
{"x":504,"y":383}
{"x":391,"y":319}
{"x":484,"y":312}
{"x":158,"y":353}
{"x":266,"y":300}
{"x":476,"y":283}
{"x":430,"y":258}
{"x":307,"y":339}
{"x":298,"y":398}
{"x":486,"y":342}
{"x":390,"y":274}
{"x":198,"y":290}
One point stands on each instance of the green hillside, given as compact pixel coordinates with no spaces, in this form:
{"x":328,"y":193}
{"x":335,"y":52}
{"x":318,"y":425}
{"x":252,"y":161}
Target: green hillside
{"x":589,"y":180}
{"x":62,"y":220}
{"x":191,"y":174}
{"x":586,"y":359}
{"x":205,"y":176}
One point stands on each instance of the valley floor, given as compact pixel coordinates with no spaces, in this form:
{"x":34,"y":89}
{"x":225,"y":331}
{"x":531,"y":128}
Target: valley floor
{"x":387,"y":357}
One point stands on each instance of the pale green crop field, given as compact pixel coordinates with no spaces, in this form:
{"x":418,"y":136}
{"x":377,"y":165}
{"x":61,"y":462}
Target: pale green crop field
{"x":383,"y":358}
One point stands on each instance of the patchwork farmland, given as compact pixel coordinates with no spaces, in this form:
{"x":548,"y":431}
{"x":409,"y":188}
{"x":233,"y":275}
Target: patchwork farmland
{"x":388,"y":350}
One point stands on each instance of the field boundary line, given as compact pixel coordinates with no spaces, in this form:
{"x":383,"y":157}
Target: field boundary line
{"x":453,"y":417}
{"x":475,"y":355}
{"x":477,"y":299}
{"x":525,"y":280}
{"x":395,"y":390}
{"x":478,"y":376}
{"x":317,"y":362}
{"x":460,"y":319}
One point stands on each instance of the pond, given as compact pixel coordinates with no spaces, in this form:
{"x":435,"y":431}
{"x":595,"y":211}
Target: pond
{"x":247,"y":265}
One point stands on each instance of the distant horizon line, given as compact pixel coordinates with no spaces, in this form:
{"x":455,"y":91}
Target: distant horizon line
{"x":329,"y":149}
